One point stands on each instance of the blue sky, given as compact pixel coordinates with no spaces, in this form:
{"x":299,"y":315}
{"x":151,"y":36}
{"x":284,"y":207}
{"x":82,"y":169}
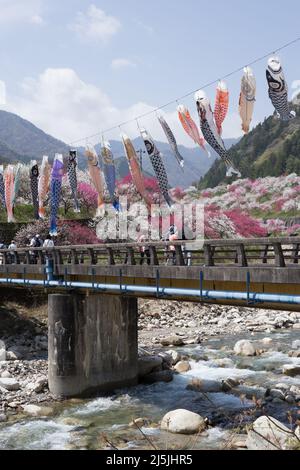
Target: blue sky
{"x":74,"y":67}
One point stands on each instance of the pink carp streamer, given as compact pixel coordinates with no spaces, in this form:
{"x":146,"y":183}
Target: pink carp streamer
{"x":43,"y":185}
{"x":9,"y":183}
{"x":96,"y":176}
{"x":191,"y":127}
{"x":221,"y":105}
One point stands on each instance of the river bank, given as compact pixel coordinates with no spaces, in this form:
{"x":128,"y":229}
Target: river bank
{"x":191,"y":358}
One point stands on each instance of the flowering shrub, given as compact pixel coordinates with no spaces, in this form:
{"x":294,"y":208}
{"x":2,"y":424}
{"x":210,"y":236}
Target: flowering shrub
{"x":69,"y":233}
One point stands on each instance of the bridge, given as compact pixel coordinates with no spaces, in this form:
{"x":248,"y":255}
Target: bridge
{"x":93,"y":292}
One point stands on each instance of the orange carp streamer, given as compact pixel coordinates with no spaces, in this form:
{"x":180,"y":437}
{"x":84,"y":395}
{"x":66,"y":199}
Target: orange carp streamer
{"x":221,"y":105}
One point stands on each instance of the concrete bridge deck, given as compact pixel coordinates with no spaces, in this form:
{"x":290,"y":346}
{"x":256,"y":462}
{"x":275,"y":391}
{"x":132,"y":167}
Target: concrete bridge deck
{"x":178,"y":270}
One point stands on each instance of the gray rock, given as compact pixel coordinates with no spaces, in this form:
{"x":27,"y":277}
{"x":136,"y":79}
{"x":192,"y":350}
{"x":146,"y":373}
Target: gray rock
{"x":5,"y":375}
{"x":225,"y":363}
{"x":182,"y":366}
{"x":244,"y":348}
{"x":147,"y":364}
{"x":34,"y":410}
{"x":161,"y":376}
{"x":2,"y":351}
{"x":172,"y":340}
{"x":37,"y":386}
{"x":269,"y":434}
{"x":183,"y":422}
{"x":291,"y":370}
{"x":9,"y":384}
{"x":229,"y":384}
{"x":282,"y":386}
{"x":296,"y":326}
{"x":295,"y":390}
{"x":294,"y":353}
{"x":175,"y":356}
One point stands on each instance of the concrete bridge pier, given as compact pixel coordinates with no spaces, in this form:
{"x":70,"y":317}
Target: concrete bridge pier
{"x":92,"y":343}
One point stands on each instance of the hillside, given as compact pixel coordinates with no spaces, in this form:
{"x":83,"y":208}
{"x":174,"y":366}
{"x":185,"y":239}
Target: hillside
{"x":271,"y":149}
{"x":21,"y":140}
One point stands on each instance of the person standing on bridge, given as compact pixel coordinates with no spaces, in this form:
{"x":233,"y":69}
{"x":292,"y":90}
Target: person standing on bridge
{"x":12,"y":255}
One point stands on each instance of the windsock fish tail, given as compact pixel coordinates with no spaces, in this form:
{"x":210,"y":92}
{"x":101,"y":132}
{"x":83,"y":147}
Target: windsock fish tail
{"x":278,"y":89}
{"x":56,"y":184}
{"x":210,"y":132}
{"x":221,"y":105}
{"x":172,"y":141}
{"x":72,"y":177}
{"x":2,"y":187}
{"x":247,"y":98}
{"x":135,"y":170}
{"x":158,"y":165}
{"x":9,"y":189}
{"x":43,"y":185}
{"x":34,"y":182}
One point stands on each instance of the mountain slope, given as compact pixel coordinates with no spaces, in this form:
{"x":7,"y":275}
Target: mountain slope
{"x":26,"y":140}
{"x":271,"y":149}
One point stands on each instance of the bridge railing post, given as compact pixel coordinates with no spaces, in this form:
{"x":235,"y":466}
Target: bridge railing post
{"x":130,"y":258}
{"x":111,"y":258}
{"x":241,"y":255}
{"x":179,"y":255}
{"x":153,"y":256}
{"x":295,"y":253}
{"x":279,"y":256}
{"x":208,"y":255}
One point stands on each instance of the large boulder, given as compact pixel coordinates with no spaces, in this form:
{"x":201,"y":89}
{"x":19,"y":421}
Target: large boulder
{"x":147,"y":364}
{"x":268,"y":433}
{"x":9,"y":384}
{"x":244,"y":348}
{"x":183,"y":422}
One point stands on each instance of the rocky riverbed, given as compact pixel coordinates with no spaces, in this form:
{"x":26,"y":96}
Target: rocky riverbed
{"x":227,"y":366}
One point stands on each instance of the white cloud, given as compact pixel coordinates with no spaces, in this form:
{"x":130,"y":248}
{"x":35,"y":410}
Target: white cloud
{"x":20,"y":11}
{"x":122,"y":63}
{"x":95,"y":25}
{"x":68,"y":108}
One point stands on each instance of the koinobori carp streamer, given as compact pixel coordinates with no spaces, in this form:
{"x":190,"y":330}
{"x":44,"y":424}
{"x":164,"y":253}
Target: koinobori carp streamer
{"x":210,"y":132}
{"x":135,"y":170}
{"x":278,"y":89}
{"x":158,"y":165}
{"x":96,"y":176}
{"x":56,"y":184}
{"x":34,"y":183}
{"x":221,"y":105}
{"x":109,"y":171}
{"x":2,"y":187}
{"x":43,"y":185}
{"x":72,"y":176}
{"x":247,"y":98}
{"x":190,"y":127}
{"x":172,"y":141}
{"x":9,"y":182}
